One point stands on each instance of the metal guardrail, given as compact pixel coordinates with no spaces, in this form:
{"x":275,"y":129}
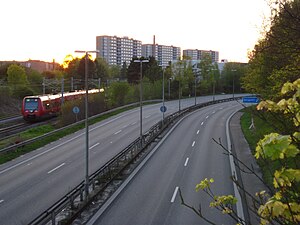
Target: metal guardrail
{"x":27,"y":142}
{"x":74,"y":200}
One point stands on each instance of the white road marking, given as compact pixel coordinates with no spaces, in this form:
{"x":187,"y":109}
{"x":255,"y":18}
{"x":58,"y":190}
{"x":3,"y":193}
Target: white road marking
{"x":198,"y":131}
{"x":124,"y":126}
{"x":133,"y":123}
{"x":118,"y":132}
{"x":202,"y":123}
{"x":94,"y":145}
{"x":213,"y":112}
{"x":147,"y":116}
{"x":206,"y":117}
{"x":1,"y":201}
{"x":193,"y":144}
{"x":56,"y":168}
{"x":29,"y":164}
{"x":174,"y":194}
{"x":186,"y":161}
{"x":111,"y":142}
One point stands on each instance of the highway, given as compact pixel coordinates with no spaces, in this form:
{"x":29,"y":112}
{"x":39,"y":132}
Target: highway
{"x":32,"y":183}
{"x":185,"y":157}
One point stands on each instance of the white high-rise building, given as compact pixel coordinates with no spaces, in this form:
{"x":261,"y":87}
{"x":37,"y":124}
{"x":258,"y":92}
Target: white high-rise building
{"x":163,"y":53}
{"x":195,"y":54}
{"x":117,"y":50}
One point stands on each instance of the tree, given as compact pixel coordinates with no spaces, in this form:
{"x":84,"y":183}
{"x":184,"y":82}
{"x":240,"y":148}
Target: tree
{"x":16,"y":76}
{"x":123,"y":71}
{"x":275,"y":59}
{"x":102,"y":69}
{"x":153,"y":70}
{"x":81,"y":68}
{"x":133,"y":71}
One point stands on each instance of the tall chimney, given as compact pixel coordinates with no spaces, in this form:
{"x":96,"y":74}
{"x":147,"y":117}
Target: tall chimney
{"x":153,"y":48}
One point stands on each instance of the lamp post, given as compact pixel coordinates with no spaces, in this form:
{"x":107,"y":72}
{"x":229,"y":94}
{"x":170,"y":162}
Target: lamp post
{"x":214,"y":83}
{"x":163,"y":95}
{"x":86,"y":182}
{"x":141,"y":61}
{"x":233,"y":70}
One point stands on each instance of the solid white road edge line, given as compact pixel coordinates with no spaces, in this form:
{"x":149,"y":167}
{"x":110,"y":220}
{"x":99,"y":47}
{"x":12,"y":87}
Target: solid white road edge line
{"x":174,"y":194}
{"x":239,"y":205}
{"x":56,"y":168}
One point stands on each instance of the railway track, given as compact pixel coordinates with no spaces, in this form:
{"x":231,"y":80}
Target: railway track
{"x":13,"y":128}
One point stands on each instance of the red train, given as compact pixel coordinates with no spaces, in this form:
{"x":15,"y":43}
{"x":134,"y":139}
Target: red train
{"x":35,"y":108}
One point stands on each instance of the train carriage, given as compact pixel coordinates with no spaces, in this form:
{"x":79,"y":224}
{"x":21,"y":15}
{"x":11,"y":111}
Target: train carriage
{"x":36,"y":108}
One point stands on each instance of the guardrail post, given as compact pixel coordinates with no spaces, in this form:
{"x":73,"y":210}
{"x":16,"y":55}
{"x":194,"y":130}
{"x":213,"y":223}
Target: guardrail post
{"x":53,"y":217}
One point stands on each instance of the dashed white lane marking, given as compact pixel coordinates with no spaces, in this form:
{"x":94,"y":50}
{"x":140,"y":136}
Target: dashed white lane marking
{"x":118,"y":132}
{"x":174,"y":195}
{"x":193,"y":143}
{"x":146,"y":117}
{"x":28,"y":164}
{"x":1,"y":201}
{"x":125,"y":126}
{"x":56,"y":168}
{"x":133,"y":123}
{"x":198,"y":131}
{"x":202,"y":123}
{"x":94,"y":145}
{"x":213,"y":112}
{"x":186,"y":161}
{"x":206,"y":117}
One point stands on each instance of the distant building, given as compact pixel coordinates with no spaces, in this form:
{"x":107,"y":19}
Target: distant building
{"x":195,"y":54}
{"x":163,"y":53}
{"x":37,"y":65}
{"x":117,"y":50}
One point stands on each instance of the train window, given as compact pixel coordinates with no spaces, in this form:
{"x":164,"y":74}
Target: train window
{"x":31,"y":104}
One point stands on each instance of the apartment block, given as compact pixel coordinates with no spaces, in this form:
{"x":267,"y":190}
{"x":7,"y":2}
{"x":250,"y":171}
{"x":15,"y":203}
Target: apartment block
{"x":195,"y":54}
{"x":162,"y":53}
{"x":117,"y":50}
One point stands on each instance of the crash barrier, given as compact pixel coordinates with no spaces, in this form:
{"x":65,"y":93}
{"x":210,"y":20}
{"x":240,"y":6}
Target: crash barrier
{"x":75,"y":201}
{"x":14,"y":147}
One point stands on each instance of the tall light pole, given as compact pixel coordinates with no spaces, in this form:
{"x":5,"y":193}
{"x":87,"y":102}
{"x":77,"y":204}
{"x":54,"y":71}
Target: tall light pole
{"x":214,"y":84}
{"x":163,"y":95}
{"x":141,"y":61}
{"x":233,"y":70}
{"x":86,"y":181}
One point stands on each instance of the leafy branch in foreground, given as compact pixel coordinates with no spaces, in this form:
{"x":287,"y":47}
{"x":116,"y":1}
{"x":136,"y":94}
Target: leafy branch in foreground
{"x":281,"y":204}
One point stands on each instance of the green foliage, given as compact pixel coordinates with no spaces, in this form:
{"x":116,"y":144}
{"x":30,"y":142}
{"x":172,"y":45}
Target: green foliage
{"x":16,"y":77}
{"x":118,"y":92}
{"x":275,"y":59}
{"x":284,"y":205}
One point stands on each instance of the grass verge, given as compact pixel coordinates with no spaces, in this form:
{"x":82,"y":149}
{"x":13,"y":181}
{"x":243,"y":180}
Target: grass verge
{"x":254,"y":134}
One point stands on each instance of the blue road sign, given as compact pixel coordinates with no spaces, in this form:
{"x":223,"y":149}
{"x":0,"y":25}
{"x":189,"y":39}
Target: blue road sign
{"x":250,"y":100}
{"x":163,"y":108}
{"x":75,"y":110}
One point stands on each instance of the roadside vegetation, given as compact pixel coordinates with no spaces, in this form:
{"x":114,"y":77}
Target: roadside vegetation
{"x":273,"y":72}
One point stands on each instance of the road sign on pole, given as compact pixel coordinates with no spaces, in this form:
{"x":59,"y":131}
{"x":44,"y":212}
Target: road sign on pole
{"x":163,"y":108}
{"x":250,"y":100}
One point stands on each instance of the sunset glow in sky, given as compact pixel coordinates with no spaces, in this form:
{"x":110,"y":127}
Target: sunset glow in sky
{"x":51,"y":29}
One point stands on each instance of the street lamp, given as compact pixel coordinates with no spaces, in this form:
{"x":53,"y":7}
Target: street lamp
{"x":141,"y":61}
{"x":233,"y":70}
{"x":214,"y":83}
{"x":86,"y":183}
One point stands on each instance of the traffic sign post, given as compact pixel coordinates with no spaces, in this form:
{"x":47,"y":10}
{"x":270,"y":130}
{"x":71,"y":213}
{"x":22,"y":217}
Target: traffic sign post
{"x":76,"y":110}
{"x":163,"y":109}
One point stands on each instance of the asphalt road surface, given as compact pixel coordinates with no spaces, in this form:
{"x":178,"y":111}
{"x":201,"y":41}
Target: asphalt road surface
{"x":31,"y":183}
{"x":186,"y":156}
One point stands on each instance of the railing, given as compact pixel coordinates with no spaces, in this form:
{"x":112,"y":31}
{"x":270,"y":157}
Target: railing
{"x":99,"y":180}
{"x":32,"y":140}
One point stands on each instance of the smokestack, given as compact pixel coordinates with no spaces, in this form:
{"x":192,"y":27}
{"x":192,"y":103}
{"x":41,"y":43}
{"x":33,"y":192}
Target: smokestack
{"x":153,"y":47}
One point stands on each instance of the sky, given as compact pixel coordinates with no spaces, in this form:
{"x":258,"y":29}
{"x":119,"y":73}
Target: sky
{"x":52,"y":29}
